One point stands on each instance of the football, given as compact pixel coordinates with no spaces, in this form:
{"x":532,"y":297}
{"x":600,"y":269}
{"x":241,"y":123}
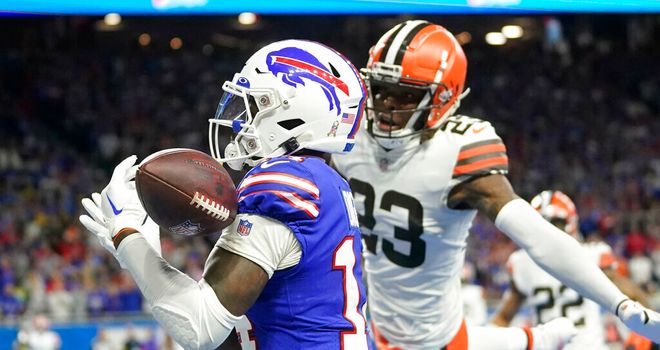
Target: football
{"x":186,"y":192}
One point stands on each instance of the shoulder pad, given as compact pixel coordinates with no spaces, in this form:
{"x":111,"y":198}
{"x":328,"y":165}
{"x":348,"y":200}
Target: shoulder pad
{"x":280,"y":188}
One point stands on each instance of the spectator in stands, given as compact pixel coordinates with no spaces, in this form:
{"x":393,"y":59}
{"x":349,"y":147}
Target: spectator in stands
{"x":101,"y":341}
{"x":38,"y":335}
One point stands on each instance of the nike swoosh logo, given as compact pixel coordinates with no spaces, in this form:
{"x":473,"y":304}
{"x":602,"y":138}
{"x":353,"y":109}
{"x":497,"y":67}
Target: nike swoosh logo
{"x":268,"y":165}
{"x":114,"y":209}
{"x":476,"y":131}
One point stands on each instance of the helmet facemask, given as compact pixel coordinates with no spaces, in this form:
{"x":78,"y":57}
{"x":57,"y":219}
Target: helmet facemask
{"x":557,"y":208}
{"x":419,"y":54}
{"x":233,"y":134}
{"x":398,"y":111}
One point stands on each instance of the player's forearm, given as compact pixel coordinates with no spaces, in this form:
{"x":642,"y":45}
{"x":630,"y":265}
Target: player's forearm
{"x":188,"y":310}
{"x":509,"y":307}
{"x":557,"y":253}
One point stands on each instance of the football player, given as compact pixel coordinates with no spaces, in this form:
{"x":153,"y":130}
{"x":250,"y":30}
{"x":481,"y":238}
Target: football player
{"x":291,"y":260}
{"x":550,"y":298}
{"x":419,"y":175}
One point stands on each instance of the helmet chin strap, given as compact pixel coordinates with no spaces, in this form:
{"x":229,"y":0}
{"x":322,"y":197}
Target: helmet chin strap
{"x":391,"y":143}
{"x":287,"y":147}
{"x":232,"y":150}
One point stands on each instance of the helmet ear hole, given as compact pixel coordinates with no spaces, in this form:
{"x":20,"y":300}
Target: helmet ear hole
{"x":291,"y":124}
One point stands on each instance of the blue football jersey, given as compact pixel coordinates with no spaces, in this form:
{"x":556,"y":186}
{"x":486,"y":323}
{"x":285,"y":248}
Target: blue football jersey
{"x":317,"y":304}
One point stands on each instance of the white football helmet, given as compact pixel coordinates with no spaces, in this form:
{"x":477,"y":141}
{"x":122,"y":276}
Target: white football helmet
{"x":290,"y":95}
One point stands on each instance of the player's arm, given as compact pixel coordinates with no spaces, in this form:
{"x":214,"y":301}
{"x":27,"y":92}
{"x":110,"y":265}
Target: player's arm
{"x":247,"y":254}
{"x":552,"y":249}
{"x":192,"y":312}
{"x":236,"y":281}
{"x":512,"y":301}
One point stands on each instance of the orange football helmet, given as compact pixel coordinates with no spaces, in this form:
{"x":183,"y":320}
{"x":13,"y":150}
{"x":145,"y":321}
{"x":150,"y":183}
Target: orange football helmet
{"x":558,"y":208}
{"x":418,"y":55}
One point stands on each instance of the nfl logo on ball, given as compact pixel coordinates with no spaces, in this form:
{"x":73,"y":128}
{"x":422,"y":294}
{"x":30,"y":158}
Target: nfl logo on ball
{"x":186,"y":228}
{"x":244,"y":227}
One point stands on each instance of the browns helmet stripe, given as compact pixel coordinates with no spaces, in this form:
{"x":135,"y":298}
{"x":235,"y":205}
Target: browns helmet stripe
{"x":406,"y":41}
{"x":388,"y":42}
{"x":395,"y":45}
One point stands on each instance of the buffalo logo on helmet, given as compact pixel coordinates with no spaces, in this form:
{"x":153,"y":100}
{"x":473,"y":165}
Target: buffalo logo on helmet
{"x":294,"y":64}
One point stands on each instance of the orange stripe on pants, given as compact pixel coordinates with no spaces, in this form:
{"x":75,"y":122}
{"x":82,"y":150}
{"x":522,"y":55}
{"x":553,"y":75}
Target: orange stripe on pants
{"x":637,"y":342}
{"x":459,"y":342}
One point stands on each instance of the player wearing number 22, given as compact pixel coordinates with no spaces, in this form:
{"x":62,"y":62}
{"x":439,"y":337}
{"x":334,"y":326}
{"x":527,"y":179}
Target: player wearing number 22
{"x":550,"y":298}
{"x":291,"y":261}
{"x":419,"y":174}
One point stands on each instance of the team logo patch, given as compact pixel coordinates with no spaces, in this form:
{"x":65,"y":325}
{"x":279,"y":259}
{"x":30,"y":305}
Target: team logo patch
{"x":187,"y":228}
{"x":293,"y":65}
{"x":244,"y":227}
{"x":384,"y":164}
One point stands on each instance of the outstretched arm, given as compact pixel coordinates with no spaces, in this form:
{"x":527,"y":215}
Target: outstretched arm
{"x":197,"y":314}
{"x":552,"y":249}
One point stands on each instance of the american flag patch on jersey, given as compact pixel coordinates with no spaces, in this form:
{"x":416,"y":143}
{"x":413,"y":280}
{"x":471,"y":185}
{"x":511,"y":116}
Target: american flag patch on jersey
{"x":244,"y":227}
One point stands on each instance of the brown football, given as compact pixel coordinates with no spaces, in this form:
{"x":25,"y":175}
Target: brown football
{"x":186,"y":192}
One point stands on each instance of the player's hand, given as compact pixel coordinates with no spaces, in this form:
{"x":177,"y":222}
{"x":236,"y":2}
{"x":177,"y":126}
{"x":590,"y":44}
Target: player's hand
{"x":95,"y":221}
{"x":119,"y":200}
{"x":118,"y":207}
{"x":639,"y":319}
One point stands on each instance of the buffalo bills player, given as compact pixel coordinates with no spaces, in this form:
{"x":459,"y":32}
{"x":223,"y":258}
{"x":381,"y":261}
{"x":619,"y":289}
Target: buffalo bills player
{"x":290,"y":261}
{"x":420,"y":174}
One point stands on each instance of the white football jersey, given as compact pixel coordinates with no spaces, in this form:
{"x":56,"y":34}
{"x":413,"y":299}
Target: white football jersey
{"x":549,"y":298}
{"x":415,"y":244}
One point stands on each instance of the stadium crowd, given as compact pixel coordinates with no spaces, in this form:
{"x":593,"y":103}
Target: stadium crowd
{"x":582,"y":118}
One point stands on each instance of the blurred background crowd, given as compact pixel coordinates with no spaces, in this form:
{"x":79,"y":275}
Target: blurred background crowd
{"x":575,"y":101}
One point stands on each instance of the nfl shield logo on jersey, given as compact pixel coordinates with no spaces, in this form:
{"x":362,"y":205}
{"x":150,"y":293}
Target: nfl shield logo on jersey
{"x":244,"y":227}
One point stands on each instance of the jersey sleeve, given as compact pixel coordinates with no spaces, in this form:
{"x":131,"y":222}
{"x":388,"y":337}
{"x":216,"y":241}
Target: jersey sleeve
{"x":281,"y":189}
{"x":266,"y":242}
{"x":481,"y":152}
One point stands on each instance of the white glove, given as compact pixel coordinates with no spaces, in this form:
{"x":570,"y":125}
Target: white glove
{"x":639,"y":319}
{"x":118,"y":207}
